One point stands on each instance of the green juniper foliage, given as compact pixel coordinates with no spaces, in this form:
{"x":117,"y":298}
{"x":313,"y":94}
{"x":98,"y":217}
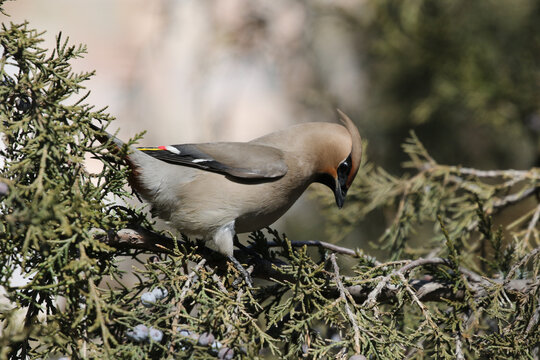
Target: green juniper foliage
{"x":53,"y":202}
{"x":469,"y":289}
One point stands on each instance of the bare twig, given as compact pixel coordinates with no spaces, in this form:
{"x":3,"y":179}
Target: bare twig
{"x":514,"y":198}
{"x":383,"y":280}
{"x":522,"y":262}
{"x":532,"y":224}
{"x":500,"y":204}
{"x":418,"y":302}
{"x":183,"y":293}
{"x":433,"y":290}
{"x":342,"y":293}
{"x":459,"y":348}
{"x":494,"y":173}
{"x":189,"y":281}
{"x":534,"y":321}
{"x":325,"y":245}
{"x":422,"y":262}
{"x":371,"y":299}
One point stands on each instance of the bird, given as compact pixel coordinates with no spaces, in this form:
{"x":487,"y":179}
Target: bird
{"x":216,"y":190}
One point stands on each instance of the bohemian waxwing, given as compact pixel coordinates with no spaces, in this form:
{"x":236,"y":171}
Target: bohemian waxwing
{"x":216,"y":190}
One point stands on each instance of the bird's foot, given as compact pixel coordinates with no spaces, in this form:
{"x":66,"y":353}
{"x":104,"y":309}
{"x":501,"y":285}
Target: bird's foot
{"x":242,"y":270}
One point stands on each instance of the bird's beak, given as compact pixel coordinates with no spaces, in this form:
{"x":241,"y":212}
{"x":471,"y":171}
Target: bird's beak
{"x":338,"y":185}
{"x":340,"y":192}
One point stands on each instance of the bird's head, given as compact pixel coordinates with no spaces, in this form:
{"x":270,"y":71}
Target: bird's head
{"x":341,"y":159}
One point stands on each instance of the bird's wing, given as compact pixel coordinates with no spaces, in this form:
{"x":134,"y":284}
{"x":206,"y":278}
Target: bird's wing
{"x":242,"y":160}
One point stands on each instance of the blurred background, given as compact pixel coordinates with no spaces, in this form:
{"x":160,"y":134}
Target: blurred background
{"x":465,"y":75}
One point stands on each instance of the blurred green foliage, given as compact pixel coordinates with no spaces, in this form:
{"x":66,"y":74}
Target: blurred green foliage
{"x":464,"y":74}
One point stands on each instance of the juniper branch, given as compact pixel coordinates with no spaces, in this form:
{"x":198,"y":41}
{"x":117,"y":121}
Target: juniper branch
{"x":427,"y":289}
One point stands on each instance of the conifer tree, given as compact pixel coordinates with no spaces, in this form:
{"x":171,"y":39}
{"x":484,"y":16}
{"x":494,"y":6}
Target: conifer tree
{"x":469,"y":289}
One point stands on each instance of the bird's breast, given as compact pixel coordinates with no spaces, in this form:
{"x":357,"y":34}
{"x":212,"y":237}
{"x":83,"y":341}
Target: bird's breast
{"x":267,"y":207}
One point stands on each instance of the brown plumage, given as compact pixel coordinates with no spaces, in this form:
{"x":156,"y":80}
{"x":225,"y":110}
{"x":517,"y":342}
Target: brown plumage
{"x":216,"y":190}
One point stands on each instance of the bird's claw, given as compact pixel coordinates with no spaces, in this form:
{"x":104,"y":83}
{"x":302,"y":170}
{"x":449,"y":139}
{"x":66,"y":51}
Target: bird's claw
{"x":242,"y":270}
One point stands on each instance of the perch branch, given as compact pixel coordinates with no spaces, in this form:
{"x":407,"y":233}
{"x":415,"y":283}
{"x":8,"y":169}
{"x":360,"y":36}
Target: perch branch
{"x":426,"y":289}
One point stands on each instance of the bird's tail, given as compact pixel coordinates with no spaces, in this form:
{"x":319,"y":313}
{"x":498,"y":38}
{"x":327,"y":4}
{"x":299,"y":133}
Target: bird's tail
{"x":133,"y":157}
{"x":143,"y":166}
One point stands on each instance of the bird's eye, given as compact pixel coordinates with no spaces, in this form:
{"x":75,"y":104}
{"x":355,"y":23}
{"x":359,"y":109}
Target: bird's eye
{"x":345,"y":167}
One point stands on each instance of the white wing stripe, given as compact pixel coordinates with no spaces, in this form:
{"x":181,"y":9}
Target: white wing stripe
{"x":173,"y":150}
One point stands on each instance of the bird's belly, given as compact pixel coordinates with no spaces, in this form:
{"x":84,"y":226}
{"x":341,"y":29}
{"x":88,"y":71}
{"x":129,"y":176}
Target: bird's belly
{"x":256,"y":220}
{"x":202,"y":208}
{"x":205,"y":219}
{"x":265,"y":212}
